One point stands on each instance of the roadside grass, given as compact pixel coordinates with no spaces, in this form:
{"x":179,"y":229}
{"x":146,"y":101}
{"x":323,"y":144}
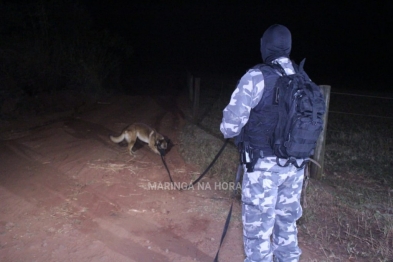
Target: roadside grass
{"x":349,"y":213}
{"x":200,"y":148}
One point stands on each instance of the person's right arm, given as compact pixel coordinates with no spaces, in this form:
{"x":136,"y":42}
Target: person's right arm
{"x":246,"y":96}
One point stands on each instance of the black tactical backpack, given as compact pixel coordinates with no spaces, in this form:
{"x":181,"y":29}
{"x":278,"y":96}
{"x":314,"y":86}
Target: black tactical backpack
{"x":300,"y":122}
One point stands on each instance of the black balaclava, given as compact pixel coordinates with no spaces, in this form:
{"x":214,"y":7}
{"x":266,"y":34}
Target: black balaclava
{"x":275,"y":42}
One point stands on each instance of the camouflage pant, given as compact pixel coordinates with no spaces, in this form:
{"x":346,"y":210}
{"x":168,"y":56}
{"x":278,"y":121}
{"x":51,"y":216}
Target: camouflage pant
{"x":271,"y":206}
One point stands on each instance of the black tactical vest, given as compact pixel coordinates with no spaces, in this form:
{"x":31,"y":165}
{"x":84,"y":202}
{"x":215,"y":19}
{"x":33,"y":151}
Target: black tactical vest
{"x":264,"y":116}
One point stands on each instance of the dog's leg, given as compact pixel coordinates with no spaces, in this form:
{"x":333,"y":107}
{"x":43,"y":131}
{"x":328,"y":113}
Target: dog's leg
{"x":130,"y":146}
{"x":131,"y":139}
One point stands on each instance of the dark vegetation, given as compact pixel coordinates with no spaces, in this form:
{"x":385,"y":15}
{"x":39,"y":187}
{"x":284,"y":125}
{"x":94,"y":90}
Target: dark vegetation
{"x":52,"y":48}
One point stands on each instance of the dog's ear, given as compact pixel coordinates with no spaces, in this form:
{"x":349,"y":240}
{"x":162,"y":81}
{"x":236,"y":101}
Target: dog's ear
{"x":169,"y":143}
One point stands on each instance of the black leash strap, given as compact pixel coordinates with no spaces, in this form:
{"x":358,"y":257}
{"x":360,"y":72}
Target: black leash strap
{"x":211,"y":164}
{"x":169,"y":173}
{"x":202,"y":175}
{"x":224,"y":232}
{"x":238,"y":175}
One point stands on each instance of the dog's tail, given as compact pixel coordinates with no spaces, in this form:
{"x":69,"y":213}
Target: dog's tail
{"x":117,"y":139}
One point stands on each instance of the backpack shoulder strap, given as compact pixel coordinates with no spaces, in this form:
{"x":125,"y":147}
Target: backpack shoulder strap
{"x":278,"y":67}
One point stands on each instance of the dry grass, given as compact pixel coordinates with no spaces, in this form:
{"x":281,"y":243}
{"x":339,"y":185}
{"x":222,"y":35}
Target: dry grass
{"x":349,"y":216}
{"x":349,"y":221}
{"x":204,"y":149}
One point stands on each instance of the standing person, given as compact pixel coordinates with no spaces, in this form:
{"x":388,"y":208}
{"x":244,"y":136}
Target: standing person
{"x":270,"y":193}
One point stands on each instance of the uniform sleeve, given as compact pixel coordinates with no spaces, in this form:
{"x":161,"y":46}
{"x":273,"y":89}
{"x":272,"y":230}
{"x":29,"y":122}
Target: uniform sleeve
{"x":247,"y":95}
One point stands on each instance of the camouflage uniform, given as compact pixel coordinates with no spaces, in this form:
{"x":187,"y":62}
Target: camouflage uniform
{"x":270,"y":194}
{"x":271,"y":205}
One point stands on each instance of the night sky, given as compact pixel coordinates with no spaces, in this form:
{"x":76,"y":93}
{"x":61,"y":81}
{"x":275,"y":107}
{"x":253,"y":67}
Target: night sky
{"x":348,"y":44}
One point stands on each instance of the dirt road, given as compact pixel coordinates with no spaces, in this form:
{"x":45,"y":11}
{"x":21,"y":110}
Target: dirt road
{"x":69,"y":194}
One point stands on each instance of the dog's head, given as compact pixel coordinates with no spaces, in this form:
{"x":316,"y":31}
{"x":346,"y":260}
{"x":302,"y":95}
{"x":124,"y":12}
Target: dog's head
{"x":162,"y":145}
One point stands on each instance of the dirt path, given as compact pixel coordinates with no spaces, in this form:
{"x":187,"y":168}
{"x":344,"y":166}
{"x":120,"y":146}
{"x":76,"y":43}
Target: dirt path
{"x":69,"y":194}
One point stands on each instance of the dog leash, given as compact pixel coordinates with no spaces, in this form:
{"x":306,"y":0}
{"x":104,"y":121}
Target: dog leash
{"x":224,"y":232}
{"x":211,"y":164}
{"x":169,"y":173}
{"x":202,"y":175}
{"x":237,"y":181}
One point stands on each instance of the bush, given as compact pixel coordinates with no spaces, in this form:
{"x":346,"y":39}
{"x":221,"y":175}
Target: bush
{"x":52,"y":46}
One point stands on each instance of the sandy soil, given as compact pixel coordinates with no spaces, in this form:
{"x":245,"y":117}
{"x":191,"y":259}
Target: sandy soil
{"x":69,"y":194}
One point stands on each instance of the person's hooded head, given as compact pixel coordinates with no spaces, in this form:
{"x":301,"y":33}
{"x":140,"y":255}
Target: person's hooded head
{"x":276,"y":42}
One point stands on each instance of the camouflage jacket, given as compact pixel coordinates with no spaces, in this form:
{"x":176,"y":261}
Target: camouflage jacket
{"x":246,"y":96}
